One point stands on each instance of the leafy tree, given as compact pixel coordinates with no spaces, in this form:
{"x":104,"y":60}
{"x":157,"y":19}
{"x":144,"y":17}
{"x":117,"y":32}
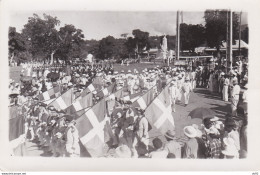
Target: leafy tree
{"x":140,"y":39}
{"x":16,"y":43}
{"x":71,"y":43}
{"x":92,"y":46}
{"x":191,"y":36}
{"x":244,"y":35}
{"x":42,"y":35}
{"x":107,"y":48}
{"x":138,"y":43}
{"x":216,"y":27}
{"x":130,"y":45}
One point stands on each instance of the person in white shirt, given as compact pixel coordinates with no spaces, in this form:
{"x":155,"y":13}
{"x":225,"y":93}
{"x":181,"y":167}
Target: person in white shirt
{"x":179,"y":90}
{"x":186,"y":88}
{"x":173,"y":93}
{"x":235,"y":97}
{"x":72,"y":140}
{"x":244,"y":97}
{"x":225,"y":88}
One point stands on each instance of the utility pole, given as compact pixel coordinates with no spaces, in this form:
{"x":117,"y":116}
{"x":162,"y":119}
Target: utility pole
{"x":231,"y":39}
{"x":239,"y":49}
{"x":177,"y":45}
{"x":229,"y":53}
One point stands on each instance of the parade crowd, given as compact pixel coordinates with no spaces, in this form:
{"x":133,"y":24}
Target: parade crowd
{"x":54,"y":130}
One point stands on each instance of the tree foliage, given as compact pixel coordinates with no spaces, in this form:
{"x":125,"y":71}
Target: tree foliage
{"x":216,"y":27}
{"x":42,"y":35}
{"x":244,"y":34}
{"x":191,"y":36}
{"x":16,"y":42}
{"x":45,"y":39}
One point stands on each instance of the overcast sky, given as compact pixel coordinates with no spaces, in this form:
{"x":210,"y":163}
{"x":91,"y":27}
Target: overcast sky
{"x":99,"y":24}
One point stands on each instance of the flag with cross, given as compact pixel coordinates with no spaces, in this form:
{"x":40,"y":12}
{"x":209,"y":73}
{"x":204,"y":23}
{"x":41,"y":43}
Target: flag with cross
{"x":50,"y":94}
{"x":79,"y":105}
{"x":63,"y":101}
{"x":92,"y":127}
{"x":159,"y":112}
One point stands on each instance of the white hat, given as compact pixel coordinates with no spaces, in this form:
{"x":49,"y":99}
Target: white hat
{"x":129,"y":71}
{"x":70,"y":84}
{"x":115,"y":72}
{"x":199,"y":133}
{"x":214,"y":119}
{"x":246,"y":86}
{"x":123,"y":152}
{"x":190,"y":131}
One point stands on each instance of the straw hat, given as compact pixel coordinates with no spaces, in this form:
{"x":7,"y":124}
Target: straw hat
{"x":123,"y":152}
{"x":170,"y":134}
{"x":190,"y":131}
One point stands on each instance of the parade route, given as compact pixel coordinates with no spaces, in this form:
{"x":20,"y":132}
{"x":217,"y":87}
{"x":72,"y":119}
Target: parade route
{"x":199,"y":98}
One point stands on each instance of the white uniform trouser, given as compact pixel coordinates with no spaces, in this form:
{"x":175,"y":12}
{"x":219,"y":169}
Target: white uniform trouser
{"x":225,"y":93}
{"x":193,"y":84}
{"x":234,"y":102}
{"x":178,"y":94}
{"x":186,"y":97}
{"x":173,"y":101}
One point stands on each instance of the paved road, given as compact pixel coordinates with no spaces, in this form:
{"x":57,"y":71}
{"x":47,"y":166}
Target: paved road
{"x":199,"y":98}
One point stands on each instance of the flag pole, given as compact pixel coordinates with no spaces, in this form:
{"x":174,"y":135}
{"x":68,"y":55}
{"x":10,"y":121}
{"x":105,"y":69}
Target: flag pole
{"x":239,"y":49}
{"x":177,"y":45}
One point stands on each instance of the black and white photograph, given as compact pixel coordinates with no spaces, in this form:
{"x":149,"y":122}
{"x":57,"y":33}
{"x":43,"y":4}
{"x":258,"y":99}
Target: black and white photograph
{"x":128,"y":84}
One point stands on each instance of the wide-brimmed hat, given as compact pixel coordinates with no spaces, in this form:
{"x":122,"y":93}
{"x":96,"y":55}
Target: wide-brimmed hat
{"x":170,"y":134}
{"x":214,"y":119}
{"x":123,"y":152}
{"x":190,"y":131}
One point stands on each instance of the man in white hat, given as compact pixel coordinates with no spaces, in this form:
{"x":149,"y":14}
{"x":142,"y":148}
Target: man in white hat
{"x":173,"y":146}
{"x":235,"y":97}
{"x":173,"y":93}
{"x":179,"y":87}
{"x":191,"y":145}
{"x":72,"y":139}
{"x":186,"y":88}
{"x":225,"y":88}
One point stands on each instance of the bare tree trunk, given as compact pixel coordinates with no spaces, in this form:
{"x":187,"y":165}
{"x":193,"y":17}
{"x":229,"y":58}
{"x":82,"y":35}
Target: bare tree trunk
{"x":52,"y":57}
{"x":12,"y":57}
